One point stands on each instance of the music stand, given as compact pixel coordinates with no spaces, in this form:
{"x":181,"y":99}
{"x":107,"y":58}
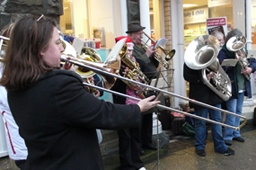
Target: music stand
{"x":155,"y":83}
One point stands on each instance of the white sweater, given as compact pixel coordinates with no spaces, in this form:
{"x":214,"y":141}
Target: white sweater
{"x":17,"y":149}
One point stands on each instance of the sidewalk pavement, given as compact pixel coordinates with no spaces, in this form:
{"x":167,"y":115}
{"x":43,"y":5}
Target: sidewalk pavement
{"x":181,"y":155}
{"x":186,"y":158}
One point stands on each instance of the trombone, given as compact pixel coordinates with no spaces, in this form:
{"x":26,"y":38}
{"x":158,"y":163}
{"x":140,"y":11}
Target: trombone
{"x":100,"y":71}
{"x":168,"y":54}
{"x":110,"y":74}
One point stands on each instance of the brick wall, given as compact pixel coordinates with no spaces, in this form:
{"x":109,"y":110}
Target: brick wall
{"x":168,"y":34}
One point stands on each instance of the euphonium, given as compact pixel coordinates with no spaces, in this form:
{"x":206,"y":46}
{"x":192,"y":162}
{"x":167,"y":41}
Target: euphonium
{"x":236,"y":44}
{"x":202,"y":53}
{"x":157,"y":56}
{"x":133,"y":73}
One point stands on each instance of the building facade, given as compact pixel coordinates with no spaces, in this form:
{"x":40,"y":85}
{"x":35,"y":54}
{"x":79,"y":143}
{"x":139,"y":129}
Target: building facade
{"x":180,"y":21}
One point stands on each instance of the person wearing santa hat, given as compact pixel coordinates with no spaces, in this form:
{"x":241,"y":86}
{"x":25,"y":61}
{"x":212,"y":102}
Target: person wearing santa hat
{"x":135,"y":32}
{"x":129,"y":138}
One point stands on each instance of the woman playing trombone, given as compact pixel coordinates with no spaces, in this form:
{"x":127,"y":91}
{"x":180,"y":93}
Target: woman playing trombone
{"x":56,"y":116}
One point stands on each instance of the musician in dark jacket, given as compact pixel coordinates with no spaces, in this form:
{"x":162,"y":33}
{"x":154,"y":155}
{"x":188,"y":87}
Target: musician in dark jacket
{"x":57,"y":118}
{"x":201,"y":92}
{"x":240,"y":81}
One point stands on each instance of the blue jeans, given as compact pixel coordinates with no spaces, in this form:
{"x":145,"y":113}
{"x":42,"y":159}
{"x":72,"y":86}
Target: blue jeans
{"x":235,"y":106}
{"x":201,"y":131}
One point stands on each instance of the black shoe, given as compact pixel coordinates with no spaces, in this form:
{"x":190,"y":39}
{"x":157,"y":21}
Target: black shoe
{"x":150,"y":147}
{"x":142,"y":152}
{"x":200,"y":152}
{"x":228,"y":142}
{"x":229,"y":152}
{"x":239,"y":139}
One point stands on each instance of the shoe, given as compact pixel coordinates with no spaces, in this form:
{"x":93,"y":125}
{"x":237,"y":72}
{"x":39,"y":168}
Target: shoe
{"x":239,"y":139}
{"x":200,"y":152}
{"x":229,"y":152}
{"x":228,"y":142}
{"x":142,"y":168}
{"x":150,"y":147}
{"x":142,"y":152}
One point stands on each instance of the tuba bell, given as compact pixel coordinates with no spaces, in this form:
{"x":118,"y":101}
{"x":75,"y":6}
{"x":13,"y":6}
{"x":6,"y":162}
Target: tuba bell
{"x":236,"y":44}
{"x":202,"y":53}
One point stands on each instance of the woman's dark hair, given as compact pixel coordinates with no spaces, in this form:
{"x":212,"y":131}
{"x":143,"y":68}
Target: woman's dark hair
{"x":232,"y":33}
{"x":23,"y":63}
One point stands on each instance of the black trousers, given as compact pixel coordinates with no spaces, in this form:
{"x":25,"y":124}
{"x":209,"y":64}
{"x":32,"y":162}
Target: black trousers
{"x":20,"y":163}
{"x":146,"y":129}
{"x":129,"y":149}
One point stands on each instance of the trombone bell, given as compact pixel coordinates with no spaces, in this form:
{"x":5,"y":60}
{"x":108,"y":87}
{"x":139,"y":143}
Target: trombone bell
{"x":160,"y":44}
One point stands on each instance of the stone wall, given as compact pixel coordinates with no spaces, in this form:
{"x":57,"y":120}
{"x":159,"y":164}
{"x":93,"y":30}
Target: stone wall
{"x":133,"y":11}
{"x":10,"y":10}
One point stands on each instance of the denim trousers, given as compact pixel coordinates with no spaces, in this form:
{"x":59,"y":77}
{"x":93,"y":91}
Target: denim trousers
{"x":201,"y":131}
{"x":235,"y":106}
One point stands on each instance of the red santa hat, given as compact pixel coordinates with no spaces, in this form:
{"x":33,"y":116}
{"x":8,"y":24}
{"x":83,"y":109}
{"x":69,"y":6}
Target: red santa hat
{"x":128,"y":41}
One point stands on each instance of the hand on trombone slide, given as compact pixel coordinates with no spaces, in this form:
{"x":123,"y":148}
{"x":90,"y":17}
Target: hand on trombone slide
{"x":148,"y":103}
{"x":67,"y":66}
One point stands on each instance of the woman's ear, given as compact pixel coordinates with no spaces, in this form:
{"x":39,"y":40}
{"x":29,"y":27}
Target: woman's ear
{"x":42,"y":52}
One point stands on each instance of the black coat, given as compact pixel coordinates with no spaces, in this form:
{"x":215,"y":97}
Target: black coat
{"x":140,"y":54}
{"x":197,"y":89}
{"x":57,"y":118}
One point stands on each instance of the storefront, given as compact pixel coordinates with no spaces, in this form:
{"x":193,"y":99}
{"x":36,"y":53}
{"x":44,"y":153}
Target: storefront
{"x":106,"y":19}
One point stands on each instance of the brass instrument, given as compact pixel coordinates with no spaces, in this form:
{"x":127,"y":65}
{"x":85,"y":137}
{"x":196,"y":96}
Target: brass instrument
{"x":134,"y":73}
{"x":115,"y":75}
{"x":112,"y":64}
{"x":236,"y":44}
{"x":157,"y":56}
{"x":109,"y":71}
{"x":88,"y":54}
{"x":3,"y":45}
{"x":202,"y":53}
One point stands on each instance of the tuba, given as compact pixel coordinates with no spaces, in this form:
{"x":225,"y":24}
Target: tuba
{"x":157,"y":56}
{"x":202,"y":53}
{"x":236,"y":44}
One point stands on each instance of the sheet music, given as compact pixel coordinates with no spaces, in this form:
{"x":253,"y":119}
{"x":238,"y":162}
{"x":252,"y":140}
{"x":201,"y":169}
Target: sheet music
{"x":229,"y":62}
{"x":157,"y":82}
{"x":161,"y":42}
{"x":114,"y":53}
{"x":78,"y":44}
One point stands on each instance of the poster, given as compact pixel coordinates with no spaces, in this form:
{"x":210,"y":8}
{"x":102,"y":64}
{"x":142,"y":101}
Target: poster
{"x":218,"y":28}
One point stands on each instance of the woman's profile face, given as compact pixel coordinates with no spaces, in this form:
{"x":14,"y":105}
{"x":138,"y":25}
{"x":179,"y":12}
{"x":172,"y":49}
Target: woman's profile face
{"x":51,"y":54}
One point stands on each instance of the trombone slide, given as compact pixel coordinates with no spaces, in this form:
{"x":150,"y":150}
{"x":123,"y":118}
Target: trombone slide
{"x":169,"y":108}
{"x":109,"y":74}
